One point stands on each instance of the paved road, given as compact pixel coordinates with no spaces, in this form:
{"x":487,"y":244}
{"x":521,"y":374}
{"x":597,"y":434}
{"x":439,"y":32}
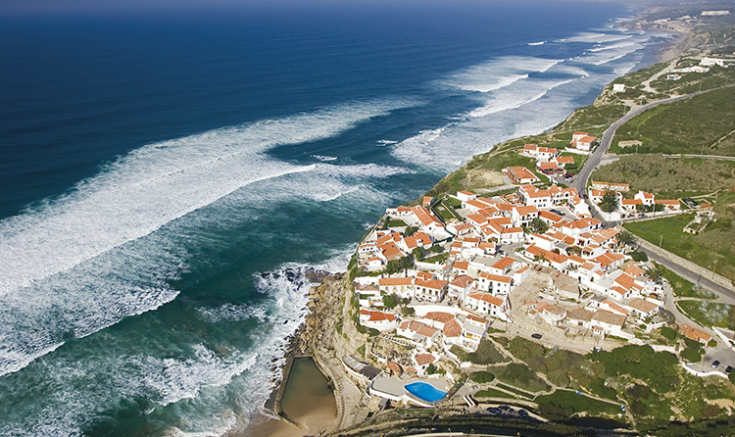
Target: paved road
{"x":692,"y":155}
{"x":580,"y":182}
{"x":690,"y":275}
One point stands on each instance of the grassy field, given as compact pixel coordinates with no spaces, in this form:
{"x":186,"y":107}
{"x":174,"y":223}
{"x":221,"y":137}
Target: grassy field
{"x":672,"y":176}
{"x":593,"y":119}
{"x":493,"y":393}
{"x":700,"y":125}
{"x":709,"y":313}
{"x":684,"y":288}
{"x":713,"y":248}
{"x":567,"y":403}
{"x":486,"y":353}
{"x":521,"y":376}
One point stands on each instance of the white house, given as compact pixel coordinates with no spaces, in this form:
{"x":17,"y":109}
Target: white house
{"x":431,"y":290}
{"x":420,"y":333}
{"x":495,"y":284}
{"x":486,"y":303}
{"x":647,"y":199}
{"x":403,"y":287}
{"x":378,"y":320}
{"x":465,"y":196}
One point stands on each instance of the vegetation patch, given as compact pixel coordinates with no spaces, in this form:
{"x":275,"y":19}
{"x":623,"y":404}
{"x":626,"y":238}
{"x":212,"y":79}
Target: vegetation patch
{"x":658,"y":174}
{"x":701,"y":125}
{"x":565,"y":403}
{"x":684,"y":288}
{"x":709,"y":313}
{"x":520,"y":375}
{"x":493,"y":393}
{"x":658,"y":369}
{"x":713,"y":248}
{"x":482,"y":377}
{"x":486,"y":353}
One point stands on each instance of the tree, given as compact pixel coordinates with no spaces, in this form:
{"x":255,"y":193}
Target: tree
{"x":609,"y":202}
{"x":389,"y":301}
{"x":639,"y":256}
{"x":406,"y":262}
{"x":538,"y":226}
{"x":656,"y":273}
{"x":408,"y":311}
{"x":625,"y":238}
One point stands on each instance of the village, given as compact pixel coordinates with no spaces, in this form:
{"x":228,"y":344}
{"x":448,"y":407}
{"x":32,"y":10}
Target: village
{"x":533,"y":262}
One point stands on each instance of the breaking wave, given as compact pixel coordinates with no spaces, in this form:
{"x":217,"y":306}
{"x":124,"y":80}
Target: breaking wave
{"x":499,"y":73}
{"x":80,"y":263}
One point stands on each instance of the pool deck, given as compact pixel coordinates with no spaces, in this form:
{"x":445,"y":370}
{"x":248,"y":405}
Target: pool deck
{"x":393,"y":388}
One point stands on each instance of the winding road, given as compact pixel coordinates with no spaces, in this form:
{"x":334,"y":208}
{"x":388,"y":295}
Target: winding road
{"x":580,"y":183}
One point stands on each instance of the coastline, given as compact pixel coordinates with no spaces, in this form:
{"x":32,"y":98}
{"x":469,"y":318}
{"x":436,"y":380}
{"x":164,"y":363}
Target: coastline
{"x":273,"y":420}
{"x":306,"y":343}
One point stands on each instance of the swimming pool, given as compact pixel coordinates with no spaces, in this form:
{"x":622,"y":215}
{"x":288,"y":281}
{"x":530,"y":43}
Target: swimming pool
{"x":424,"y":391}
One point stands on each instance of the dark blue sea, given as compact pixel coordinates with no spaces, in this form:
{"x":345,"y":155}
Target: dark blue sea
{"x":161,"y":170}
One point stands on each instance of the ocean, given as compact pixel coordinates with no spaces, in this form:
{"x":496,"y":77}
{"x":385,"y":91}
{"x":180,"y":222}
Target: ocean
{"x":167,"y":176}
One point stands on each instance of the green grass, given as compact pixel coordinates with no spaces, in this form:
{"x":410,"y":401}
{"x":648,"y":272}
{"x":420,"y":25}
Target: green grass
{"x":684,"y":288}
{"x":486,"y":353}
{"x":713,"y":248}
{"x":688,"y":126}
{"x":709,"y":313}
{"x":658,"y":369}
{"x":591,"y":119}
{"x":579,"y":161}
{"x":396,"y":223}
{"x":673,"y":176}
{"x":482,"y":377}
{"x":520,"y":375}
{"x":442,"y":257}
{"x":520,"y":393}
{"x":567,"y":403}
{"x":563,"y":368}
{"x":493,"y":393}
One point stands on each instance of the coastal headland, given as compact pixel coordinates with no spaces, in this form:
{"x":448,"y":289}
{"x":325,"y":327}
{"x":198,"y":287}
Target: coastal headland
{"x":563,"y":323}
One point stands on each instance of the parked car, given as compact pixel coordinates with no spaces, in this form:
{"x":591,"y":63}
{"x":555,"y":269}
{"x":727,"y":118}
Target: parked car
{"x":536,"y":336}
{"x":729,"y":369}
{"x":715,"y":363}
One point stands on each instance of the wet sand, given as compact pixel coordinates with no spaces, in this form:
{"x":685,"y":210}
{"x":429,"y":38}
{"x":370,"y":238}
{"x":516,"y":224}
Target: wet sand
{"x":307,"y":400}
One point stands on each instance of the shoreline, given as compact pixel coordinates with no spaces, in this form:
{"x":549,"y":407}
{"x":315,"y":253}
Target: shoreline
{"x":301,"y":342}
{"x":272,"y":418}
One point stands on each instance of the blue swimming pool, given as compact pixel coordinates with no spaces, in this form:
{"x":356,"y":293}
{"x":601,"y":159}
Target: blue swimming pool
{"x":424,"y":391}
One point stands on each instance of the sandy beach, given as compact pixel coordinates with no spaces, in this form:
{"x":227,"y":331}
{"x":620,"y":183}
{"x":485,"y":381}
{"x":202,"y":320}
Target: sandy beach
{"x":308,"y":401}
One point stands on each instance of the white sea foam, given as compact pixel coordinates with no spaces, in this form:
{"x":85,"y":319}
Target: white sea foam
{"x":386,"y":142}
{"x":80,"y":263}
{"x":231,"y":313}
{"x":516,"y":98}
{"x":499,"y":73}
{"x":527,"y":107}
{"x":613,"y":46}
{"x":595,"y":37}
{"x":324,"y":158}
{"x":194,"y":373}
{"x":537,"y":43}
{"x":156,"y":184}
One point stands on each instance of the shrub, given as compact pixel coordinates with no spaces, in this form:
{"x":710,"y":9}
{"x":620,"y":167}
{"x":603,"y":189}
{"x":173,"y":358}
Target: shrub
{"x":482,"y":377}
{"x":486,"y":353}
{"x":658,"y":369}
{"x":639,"y":256}
{"x":390,"y":301}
